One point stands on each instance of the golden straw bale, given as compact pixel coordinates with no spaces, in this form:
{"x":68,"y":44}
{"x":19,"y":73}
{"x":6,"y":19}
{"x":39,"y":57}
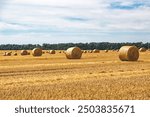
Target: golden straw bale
{"x":37,"y":52}
{"x":47,"y":51}
{"x":7,"y":54}
{"x":90,"y":51}
{"x":24,"y":52}
{"x":15,"y":54}
{"x":28,"y":53}
{"x":84,"y":51}
{"x":105,"y":51}
{"x":129,"y":53}
{"x":52,"y":51}
{"x":95,"y":51}
{"x":142,"y":50}
{"x":73,"y":53}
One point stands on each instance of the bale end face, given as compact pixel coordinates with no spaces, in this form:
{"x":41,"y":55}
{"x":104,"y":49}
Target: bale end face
{"x":37,"y":52}
{"x":95,"y":51}
{"x":73,"y":53}
{"x":84,"y":51}
{"x":15,"y":54}
{"x":24,"y":52}
{"x":105,"y":51}
{"x":7,"y":54}
{"x":128,"y":53}
{"x":52,"y":52}
{"x":142,"y":50}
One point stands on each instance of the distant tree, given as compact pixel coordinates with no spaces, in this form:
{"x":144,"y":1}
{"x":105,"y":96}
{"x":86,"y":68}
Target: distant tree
{"x":64,"y":46}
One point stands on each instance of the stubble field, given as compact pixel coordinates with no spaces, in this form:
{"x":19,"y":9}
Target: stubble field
{"x":95,"y":76}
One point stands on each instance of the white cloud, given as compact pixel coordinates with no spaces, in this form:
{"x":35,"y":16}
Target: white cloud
{"x":7,"y":26}
{"x":68,"y":3}
{"x":64,"y":16}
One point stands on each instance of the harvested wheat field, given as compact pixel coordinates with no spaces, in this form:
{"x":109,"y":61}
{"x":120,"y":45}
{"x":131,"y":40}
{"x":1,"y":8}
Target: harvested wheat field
{"x":94,"y":76}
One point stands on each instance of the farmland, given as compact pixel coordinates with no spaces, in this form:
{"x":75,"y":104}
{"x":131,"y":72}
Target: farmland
{"x":95,"y":76}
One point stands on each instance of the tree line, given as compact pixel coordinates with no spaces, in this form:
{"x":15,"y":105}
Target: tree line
{"x":64,"y":46}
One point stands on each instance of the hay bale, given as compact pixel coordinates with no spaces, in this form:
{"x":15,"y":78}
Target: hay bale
{"x":105,"y":51}
{"x":28,"y":53}
{"x":24,"y":52}
{"x":90,"y":51}
{"x":15,"y":54}
{"x":129,"y":53}
{"x":7,"y":54}
{"x":37,"y":52}
{"x":52,"y":52}
{"x":73,"y":53}
{"x":95,"y":51}
{"x":47,"y":51}
{"x":84,"y":51}
{"x":142,"y":49}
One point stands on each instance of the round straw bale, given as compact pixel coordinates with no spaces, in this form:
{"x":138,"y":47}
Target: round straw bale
{"x":15,"y":54}
{"x":90,"y":51}
{"x":47,"y":51}
{"x":85,"y":51}
{"x":52,"y":52}
{"x":95,"y":51}
{"x":37,"y":52}
{"x":24,"y":52}
{"x":7,"y":54}
{"x":129,"y":53}
{"x":73,"y":53}
{"x":142,"y":50}
{"x":106,"y":51}
{"x":28,"y":53}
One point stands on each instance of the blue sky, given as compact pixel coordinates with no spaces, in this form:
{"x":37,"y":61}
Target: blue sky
{"x":63,"y":21}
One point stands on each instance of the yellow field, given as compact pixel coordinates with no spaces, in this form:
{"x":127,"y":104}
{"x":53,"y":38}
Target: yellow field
{"x":95,"y":76}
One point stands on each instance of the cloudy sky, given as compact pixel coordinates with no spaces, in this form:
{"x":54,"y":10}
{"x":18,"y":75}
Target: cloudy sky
{"x":63,"y":21}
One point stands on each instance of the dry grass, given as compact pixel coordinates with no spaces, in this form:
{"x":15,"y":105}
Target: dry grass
{"x":95,"y":76}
